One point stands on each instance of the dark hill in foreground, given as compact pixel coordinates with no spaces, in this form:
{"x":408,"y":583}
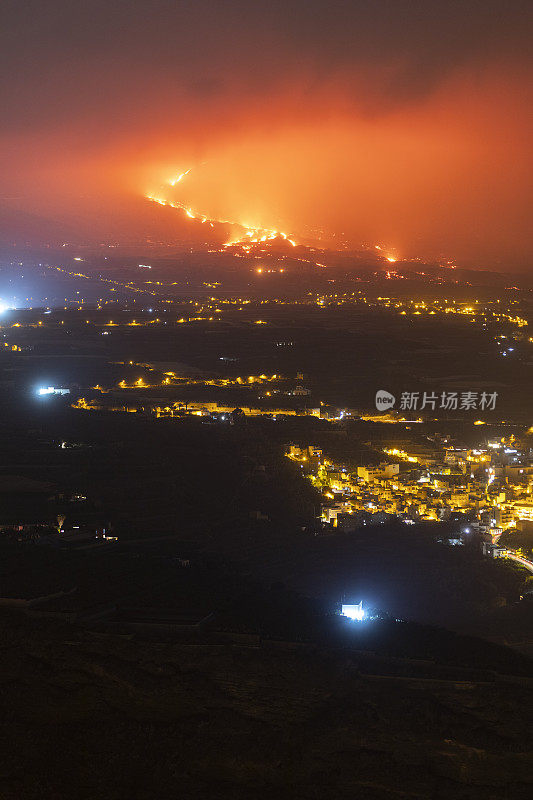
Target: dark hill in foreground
{"x":89,"y":715}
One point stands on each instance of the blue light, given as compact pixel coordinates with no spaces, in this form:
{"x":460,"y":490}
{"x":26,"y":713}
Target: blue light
{"x":353,"y":611}
{"x":45,"y":390}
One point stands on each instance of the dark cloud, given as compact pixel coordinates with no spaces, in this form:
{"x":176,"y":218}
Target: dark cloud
{"x":69,"y":57}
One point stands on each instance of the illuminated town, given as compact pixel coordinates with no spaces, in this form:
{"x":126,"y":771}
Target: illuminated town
{"x":413,"y":469}
{"x":486,"y":490}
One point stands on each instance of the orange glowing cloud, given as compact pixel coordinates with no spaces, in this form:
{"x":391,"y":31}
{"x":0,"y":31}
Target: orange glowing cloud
{"x":339,"y":123}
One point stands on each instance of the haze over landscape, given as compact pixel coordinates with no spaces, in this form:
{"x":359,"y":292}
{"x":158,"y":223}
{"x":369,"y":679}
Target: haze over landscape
{"x":407,"y":125}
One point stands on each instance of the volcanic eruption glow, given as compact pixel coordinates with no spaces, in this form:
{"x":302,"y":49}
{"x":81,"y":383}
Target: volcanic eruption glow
{"x":251,"y":234}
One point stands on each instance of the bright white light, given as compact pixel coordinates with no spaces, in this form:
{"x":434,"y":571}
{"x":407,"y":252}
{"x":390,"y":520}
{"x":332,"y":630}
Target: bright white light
{"x":354,"y":612}
{"x":52,"y":390}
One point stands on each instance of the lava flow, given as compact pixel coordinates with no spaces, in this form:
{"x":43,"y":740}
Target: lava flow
{"x":251,"y":235}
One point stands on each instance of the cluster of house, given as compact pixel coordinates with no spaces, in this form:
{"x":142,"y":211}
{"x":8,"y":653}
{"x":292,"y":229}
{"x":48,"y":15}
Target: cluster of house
{"x":492,"y":485}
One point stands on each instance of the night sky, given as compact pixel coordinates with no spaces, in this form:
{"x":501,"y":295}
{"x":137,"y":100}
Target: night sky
{"x":402,"y":123}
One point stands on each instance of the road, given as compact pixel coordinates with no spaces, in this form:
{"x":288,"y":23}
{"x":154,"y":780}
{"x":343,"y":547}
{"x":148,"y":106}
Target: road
{"x":523,"y":561}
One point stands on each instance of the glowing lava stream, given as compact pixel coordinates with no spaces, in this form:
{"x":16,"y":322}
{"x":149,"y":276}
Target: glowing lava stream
{"x":252,"y":235}
{"x":391,"y":259}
